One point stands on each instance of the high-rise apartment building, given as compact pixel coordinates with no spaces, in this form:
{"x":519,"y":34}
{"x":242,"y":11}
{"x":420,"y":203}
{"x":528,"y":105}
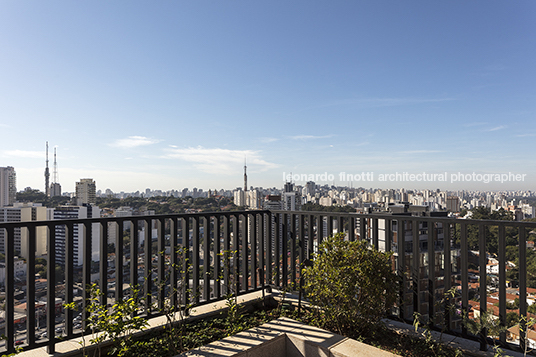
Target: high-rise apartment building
{"x":76,"y":212}
{"x":24,"y":212}
{"x":8,"y":186}
{"x":86,"y":191}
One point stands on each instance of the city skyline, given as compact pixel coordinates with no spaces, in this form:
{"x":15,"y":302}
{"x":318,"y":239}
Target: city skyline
{"x":174,"y":95}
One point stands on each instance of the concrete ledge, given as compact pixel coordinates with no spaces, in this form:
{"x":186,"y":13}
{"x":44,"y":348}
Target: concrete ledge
{"x":73,"y":347}
{"x":286,"y":338}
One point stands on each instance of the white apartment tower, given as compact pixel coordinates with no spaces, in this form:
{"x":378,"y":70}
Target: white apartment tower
{"x":8,"y":187}
{"x":86,"y":191}
{"x":76,"y":212}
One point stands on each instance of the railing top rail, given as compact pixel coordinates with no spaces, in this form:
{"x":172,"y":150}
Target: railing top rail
{"x":234,"y":213}
{"x":487,"y":222}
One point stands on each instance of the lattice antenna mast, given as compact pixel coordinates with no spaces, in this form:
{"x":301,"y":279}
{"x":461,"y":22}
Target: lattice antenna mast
{"x":245,"y":176}
{"x":47,"y":176}
{"x":55,"y":173}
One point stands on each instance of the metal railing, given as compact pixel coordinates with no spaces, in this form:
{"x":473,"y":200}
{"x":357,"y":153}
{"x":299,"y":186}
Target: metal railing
{"x":244,"y":251}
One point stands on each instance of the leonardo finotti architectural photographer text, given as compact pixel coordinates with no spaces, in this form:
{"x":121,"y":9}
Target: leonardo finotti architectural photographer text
{"x":406,"y":177}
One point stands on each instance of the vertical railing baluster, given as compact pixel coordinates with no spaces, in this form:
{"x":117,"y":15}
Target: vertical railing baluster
{"x":186,"y":260}
{"x":236,"y":253}
{"x":69,"y":276}
{"x":351,"y":228}
{"x":195,"y":258}
{"x":362,"y":228}
{"x":161,"y":267}
{"x":253,"y":251}
{"x":447,"y":273}
{"x":502,"y":282}
{"x":86,"y":270}
{"x":269,"y":245}
{"x":103,"y":262}
{"x":375,"y":239}
{"x":284,"y":253}
{"x":134,"y":244}
{"x":9,"y":250}
{"x":432,"y":235}
{"x":523,"y":289}
{"x":206,"y":258}
{"x":30,"y":285}
{"x":401,"y":243}
{"x":119,"y":228}
{"x":245,"y":252}
{"x":227,"y":256}
{"x":262,"y":249}
{"x":416,"y":267}
{"x":293,"y":241}
{"x":310,"y":235}
{"x":465,"y":280}
{"x":320,"y":233}
{"x":483,"y":260}
{"x":148,"y":271}
{"x":330,"y":225}
{"x":173,"y":262}
{"x":217,"y":257}
{"x":388,"y":236}
{"x":51,"y":285}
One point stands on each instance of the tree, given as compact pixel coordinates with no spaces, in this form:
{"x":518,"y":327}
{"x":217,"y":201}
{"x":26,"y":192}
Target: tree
{"x":352,"y":284}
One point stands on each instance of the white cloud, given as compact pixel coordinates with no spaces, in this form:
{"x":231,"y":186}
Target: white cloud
{"x":134,"y":141}
{"x":25,"y":154}
{"x":4,"y":126}
{"x":268,"y":140}
{"x":310,"y":137}
{"x":220,"y":161}
{"x":500,"y":127}
{"x":420,"y":152}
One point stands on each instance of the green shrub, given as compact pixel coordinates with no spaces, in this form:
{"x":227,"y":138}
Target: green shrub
{"x":352,"y":283}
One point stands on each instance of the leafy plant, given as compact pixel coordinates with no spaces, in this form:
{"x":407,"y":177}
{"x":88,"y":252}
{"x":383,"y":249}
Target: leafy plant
{"x":117,"y":323}
{"x":352,"y":283}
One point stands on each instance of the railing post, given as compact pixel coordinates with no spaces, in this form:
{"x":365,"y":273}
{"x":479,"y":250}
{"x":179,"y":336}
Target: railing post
{"x":416,"y":275}
{"x":9,"y":249}
{"x":86,"y":270}
{"x":483,"y":260}
{"x":161,"y":254}
{"x":217,"y":257}
{"x":523,"y":289}
{"x":174,"y":262}
{"x":401,"y":245}
{"x":148,"y":271}
{"x":447,"y":272}
{"x":103,"y":262}
{"x":253,"y":251}
{"x":432,"y":232}
{"x":119,"y":231}
{"x":284,"y":253}
{"x":465,"y":279}
{"x":30,"y":280}
{"x":269,"y":246}
{"x":51,"y":289}
{"x":69,"y":276}
{"x":502,"y":282}
{"x":206,"y":257}
{"x":195,"y":258}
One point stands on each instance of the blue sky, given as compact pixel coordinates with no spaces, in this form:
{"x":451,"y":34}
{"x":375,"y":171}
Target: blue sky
{"x":174,"y":94}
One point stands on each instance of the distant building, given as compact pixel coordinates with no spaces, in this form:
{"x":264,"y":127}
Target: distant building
{"x":8,"y":186}
{"x":453,"y":204}
{"x":55,"y":189}
{"x":24,"y":212}
{"x":76,"y":212}
{"x":86,"y":191}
